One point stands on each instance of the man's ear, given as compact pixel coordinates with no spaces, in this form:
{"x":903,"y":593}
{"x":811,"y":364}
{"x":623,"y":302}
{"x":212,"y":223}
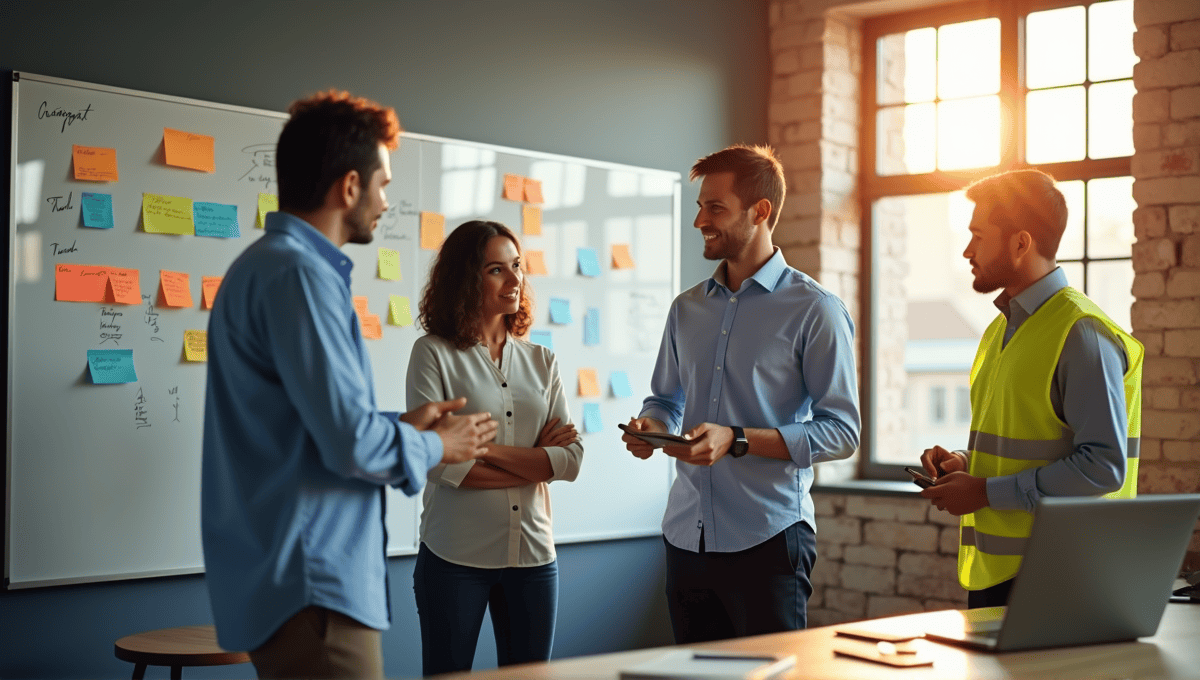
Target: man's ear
{"x":1023,"y":245}
{"x":347,"y":190}
{"x":762,"y":212}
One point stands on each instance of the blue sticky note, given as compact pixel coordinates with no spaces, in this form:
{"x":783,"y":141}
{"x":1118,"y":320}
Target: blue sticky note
{"x":620,"y":384}
{"x":589,"y":264}
{"x":111,"y":366}
{"x":97,"y":210}
{"x":542,"y":338}
{"x":560,"y":310}
{"x":215,"y":219}
{"x":591,"y":327}
{"x":591,"y":418}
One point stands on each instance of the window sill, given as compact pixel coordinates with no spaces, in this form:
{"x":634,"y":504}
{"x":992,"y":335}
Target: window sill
{"x":869,"y":487}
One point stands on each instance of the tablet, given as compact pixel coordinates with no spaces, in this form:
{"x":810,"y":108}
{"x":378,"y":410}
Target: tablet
{"x":656,"y":439}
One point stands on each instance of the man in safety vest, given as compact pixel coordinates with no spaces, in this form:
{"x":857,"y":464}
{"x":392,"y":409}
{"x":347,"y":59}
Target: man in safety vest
{"x":1056,"y":396}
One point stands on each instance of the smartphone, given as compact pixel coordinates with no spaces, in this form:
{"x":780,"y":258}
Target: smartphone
{"x":656,"y":439}
{"x":919,"y":477}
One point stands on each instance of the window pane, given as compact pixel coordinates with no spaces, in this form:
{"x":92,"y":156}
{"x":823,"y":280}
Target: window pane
{"x":1110,"y":119}
{"x":1110,"y":285}
{"x":969,"y":133}
{"x":1054,"y":47}
{"x":937,"y":404}
{"x":1110,"y":40}
{"x":904,"y":139}
{"x":968,"y":58}
{"x":906,"y":67}
{"x":1071,"y":245}
{"x":962,"y":408}
{"x":1110,"y":208}
{"x":1054,"y":125}
{"x":1074,"y":272}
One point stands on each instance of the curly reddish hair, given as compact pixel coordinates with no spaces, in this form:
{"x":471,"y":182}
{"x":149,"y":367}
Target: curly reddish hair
{"x":450,"y":306}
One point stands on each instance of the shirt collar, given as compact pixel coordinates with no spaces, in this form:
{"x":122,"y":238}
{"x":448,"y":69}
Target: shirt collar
{"x":767,"y":276}
{"x":286,"y":223}
{"x":1033,"y":297}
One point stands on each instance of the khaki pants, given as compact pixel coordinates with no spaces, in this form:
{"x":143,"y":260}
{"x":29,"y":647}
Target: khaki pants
{"x":319,"y":643}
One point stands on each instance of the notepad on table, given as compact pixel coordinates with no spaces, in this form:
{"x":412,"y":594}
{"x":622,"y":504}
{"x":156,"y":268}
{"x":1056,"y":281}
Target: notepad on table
{"x":707,"y":665}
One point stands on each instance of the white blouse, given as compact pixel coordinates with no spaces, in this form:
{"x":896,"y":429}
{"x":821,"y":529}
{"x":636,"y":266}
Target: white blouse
{"x":492,"y":528}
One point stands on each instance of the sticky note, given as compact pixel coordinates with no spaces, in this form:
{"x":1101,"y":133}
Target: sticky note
{"x":433,"y":230}
{"x":535,"y":263}
{"x":80,"y":282}
{"x":209,"y":285}
{"x":399,"y":311}
{"x":360,"y":306}
{"x":215,"y":219}
{"x":560,"y":310}
{"x":189,"y":150}
{"x":195,"y":345}
{"x":167,"y":214}
{"x":591,"y":418}
{"x":125,"y":285}
{"x":94,"y":163}
{"x":266,"y":203}
{"x":542,"y":338}
{"x":619,"y":380}
{"x":589,"y":264}
{"x":533,"y":191}
{"x":621,"y":257}
{"x":591,"y":327}
{"x":531,"y":220}
{"x":97,"y":210}
{"x":389,"y":264}
{"x":371,"y":328}
{"x":514,"y":187}
{"x":175,"y":288}
{"x":589,"y":384}
{"x":111,"y":366}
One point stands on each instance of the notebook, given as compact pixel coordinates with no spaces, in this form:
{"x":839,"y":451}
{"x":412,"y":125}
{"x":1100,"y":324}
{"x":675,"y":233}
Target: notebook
{"x":696,"y":664}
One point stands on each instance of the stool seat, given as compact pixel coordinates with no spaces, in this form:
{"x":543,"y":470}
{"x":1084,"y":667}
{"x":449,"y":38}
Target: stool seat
{"x":175,"y":647}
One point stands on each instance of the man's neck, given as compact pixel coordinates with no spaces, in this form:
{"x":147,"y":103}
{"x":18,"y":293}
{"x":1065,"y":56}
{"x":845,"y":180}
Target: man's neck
{"x":749,"y":261}
{"x":328,"y":222}
{"x":1028,"y":278}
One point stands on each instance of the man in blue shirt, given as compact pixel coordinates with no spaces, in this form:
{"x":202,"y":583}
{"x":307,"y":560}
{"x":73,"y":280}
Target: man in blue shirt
{"x":757,"y":369}
{"x":296,"y":455}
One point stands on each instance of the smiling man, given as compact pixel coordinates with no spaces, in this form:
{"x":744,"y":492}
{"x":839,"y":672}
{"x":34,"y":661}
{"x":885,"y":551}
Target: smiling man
{"x":757,"y":368}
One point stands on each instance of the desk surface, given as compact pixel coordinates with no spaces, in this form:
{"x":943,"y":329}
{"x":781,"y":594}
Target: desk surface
{"x":1173,"y":653}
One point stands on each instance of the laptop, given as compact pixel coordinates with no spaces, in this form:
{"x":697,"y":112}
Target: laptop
{"x":1094,"y":571}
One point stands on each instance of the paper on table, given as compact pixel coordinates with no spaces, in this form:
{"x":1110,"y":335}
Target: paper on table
{"x":189,"y":150}
{"x":97,"y":210}
{"x":176,"y":288}
{"x":209,"y":285}
{"x":433,"y":230}
{"x":167,"y":215}
{"x":94,"y":163}
{"x":111,"y":366}
{"x":389,"y":264}
{"x":195,"y":345}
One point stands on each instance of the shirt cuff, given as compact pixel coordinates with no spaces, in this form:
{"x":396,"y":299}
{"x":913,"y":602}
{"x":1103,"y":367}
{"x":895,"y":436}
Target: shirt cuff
{"x":454,"y":474}
{"x":664,"y":416}
{"x":796,"y":439}
{"x":1005,"y":492}
{"x":419,"y":452}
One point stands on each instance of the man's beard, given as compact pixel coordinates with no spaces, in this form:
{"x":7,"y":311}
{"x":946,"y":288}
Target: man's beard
{"x":361,"y":230}
{"x":1001,"y":274}
{"x":733,"y":242}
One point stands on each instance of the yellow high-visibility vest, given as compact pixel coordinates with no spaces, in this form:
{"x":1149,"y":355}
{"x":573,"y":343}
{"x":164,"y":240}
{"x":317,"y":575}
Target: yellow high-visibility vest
{"x":1014,"y":427}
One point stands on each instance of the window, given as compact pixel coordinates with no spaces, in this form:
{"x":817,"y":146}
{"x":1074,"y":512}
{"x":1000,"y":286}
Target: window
{"x":952,"y":94}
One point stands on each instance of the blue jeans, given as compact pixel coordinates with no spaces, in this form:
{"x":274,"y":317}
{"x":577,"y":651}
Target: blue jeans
{"x":451,"y":599}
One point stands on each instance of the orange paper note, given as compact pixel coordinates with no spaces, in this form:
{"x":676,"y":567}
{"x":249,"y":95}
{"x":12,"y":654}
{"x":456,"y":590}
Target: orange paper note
{"x":535,"y":263}
{"x":189,"y":150}
{"x":589,"y":384}
{"x":208,"y":290}
{"x":125,"y":285}
{"x":433,"y":230}
{"x":531,"y":220}
{"x":80,"y":283}
{"x":360,"y":307}
{"x":175,"y":288}
{"x":533,"y":191}
{"x":372,"y":329}
{"x":95,"y":164}
{"x":621,"y":257}
{"x":514,"y":187}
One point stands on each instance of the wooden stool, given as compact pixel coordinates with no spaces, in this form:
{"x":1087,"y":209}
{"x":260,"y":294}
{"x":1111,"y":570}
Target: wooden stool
{"x":175,"y":647}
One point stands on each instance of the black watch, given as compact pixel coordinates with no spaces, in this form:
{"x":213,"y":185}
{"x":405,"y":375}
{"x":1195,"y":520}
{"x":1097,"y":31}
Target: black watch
{"x":741,"y":445}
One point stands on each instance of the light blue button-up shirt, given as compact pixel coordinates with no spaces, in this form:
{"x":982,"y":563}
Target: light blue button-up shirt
{"x":777,"y":353}
{"x":296,"y":455}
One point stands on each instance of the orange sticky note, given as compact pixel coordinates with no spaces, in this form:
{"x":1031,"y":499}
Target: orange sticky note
{"x":514,"y":187}
{"x":175,"y":288}
{"x":433,"y":230}
{"x":189,"y":150}
{"x":531,"y":220}
{"x":125,"y":285}
{"x":360,"y":307}
{"x":589,"y":384}
{"x":372,"y":329}
{"x":621,"y":257}
{"x":208,"y":290}
{"x":533,"y":191}
{"x":94,"y":163}
{"x":535,"y":263}
{"x":80,"y":282}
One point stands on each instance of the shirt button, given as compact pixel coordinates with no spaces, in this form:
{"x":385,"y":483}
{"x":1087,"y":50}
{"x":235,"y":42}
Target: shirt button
{"x":700,"y":525}
{"x":714,"y":399}
{"x":718,"y":368}
{"x":510,"y":414}
{"x":514,"y":507}
{"x":733,"y":299}
{"x":504,"y":384}
{"x":724,"y":332}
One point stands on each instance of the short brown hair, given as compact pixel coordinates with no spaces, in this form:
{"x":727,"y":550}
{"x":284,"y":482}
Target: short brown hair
{"x":328,"y":135}
{"x":1024,"y":200}
{"x":757,"y":174}
{"x":450,"y":305}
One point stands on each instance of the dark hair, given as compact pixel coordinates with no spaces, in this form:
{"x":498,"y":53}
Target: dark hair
{"x":757,"y":174}
{"x":450,"y":305}
{"x":328,"y":135}
{"x":1024,"y":200}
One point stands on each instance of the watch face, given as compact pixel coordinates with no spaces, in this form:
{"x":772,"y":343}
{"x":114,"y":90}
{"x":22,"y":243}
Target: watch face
{"x":739,"y":448}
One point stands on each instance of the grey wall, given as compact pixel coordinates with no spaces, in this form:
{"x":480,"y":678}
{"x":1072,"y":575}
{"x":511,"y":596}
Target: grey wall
{"x":655,"y":83}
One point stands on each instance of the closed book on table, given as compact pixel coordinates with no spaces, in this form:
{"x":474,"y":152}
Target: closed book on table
{"x":702,"y":665}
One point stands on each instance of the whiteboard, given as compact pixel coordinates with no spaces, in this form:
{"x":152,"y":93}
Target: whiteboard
{"x":104,"y":480}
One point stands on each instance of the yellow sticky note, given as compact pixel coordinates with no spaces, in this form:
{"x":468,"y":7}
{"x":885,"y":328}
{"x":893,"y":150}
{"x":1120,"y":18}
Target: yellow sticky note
{"x":533,"y":191}
{"x":589,"y":384}
{"x":433,"y":230}
{"x":371,"y":328}
{"x":621,"y":257}
{"x":360,"y":306}
{"x":534,"y":263}
{"x":531,"y":220}
{"x":167,"y":215}
{"x":266,"y":203}
{"x":389,"y":264}
{"x":514,"y":187}
{"x":125,"y":286}
{"x":208,"y":290}
{"x":175,"y":288}
{"x":189,"y":150}
{"x":399,"y":311}
{"x":94,"y":164}
{"x":195,"y":345}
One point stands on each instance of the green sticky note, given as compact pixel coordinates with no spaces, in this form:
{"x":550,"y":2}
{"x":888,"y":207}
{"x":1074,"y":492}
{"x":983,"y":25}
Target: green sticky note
{"x":111,"y":366}
{"x":389,"y":264}
{"x":399,"y":313}
{"x":266,"y":203}
{"x":167,"y":215}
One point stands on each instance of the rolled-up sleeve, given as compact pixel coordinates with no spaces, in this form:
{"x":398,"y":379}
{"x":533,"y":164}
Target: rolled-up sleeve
{"x":667,"y":398}
{"x":565,"y":461}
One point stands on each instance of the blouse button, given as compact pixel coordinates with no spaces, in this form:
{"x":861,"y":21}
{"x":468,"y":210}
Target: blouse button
{"x":514,"y":507}
{"x":510,"y":414}
{"x":504,"y":384}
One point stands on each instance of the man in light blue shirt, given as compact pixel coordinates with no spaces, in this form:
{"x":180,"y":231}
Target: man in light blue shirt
{"x":296,"y":455}
{"x":757,"y":369}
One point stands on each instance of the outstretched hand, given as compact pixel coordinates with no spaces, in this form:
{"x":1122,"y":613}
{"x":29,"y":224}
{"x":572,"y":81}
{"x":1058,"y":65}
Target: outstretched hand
{"x":423,"y":417}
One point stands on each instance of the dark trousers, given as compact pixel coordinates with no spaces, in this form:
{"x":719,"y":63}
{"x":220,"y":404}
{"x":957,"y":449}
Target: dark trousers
{"x":763,"y":589}
{"x":993,"y":596}
{"x":318,"y":643}
{"x":451,"y":600}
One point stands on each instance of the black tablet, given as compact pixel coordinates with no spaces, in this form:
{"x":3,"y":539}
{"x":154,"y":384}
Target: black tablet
{"x":656,"y":439}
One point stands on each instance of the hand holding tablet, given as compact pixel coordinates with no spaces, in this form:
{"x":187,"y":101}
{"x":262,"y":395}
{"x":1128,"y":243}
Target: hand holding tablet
{"x":656,"y":439}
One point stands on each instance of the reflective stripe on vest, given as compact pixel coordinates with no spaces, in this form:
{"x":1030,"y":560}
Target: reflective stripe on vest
{"x":1036,"y":449}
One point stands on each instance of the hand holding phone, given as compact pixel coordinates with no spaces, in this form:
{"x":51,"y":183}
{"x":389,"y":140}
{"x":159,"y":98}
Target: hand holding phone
{"x":919,"y":477}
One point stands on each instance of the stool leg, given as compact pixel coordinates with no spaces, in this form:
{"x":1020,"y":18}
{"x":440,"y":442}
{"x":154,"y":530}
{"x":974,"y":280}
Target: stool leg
{"x":176,"y":672}
{"x":139,"y":671}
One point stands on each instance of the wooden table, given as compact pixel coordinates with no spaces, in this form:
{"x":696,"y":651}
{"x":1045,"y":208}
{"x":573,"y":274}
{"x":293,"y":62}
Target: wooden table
{"x":175,"y":647}
{"x":1173,"y":653}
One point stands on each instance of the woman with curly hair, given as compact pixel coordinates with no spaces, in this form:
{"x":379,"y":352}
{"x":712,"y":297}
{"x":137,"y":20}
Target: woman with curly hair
{"x":486,"y":537}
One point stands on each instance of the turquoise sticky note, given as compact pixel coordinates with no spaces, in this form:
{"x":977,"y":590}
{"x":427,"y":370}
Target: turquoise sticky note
{"x":215,"y":219}
{"x":111,"y":366}
{"x":589,"y":263}
{"x":542,"y":338}
{"x":620,"y":384}
{"x":560,"y":310}
{"x":97,"y":210}
{"x":591,"y":418}
{"x":591,"y":327}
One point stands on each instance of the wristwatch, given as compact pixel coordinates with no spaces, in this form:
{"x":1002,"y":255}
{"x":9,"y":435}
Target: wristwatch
{"x":741,"y":445}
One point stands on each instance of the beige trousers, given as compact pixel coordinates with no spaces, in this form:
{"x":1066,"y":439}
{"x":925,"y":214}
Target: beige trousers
{"x":319,"y":643}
